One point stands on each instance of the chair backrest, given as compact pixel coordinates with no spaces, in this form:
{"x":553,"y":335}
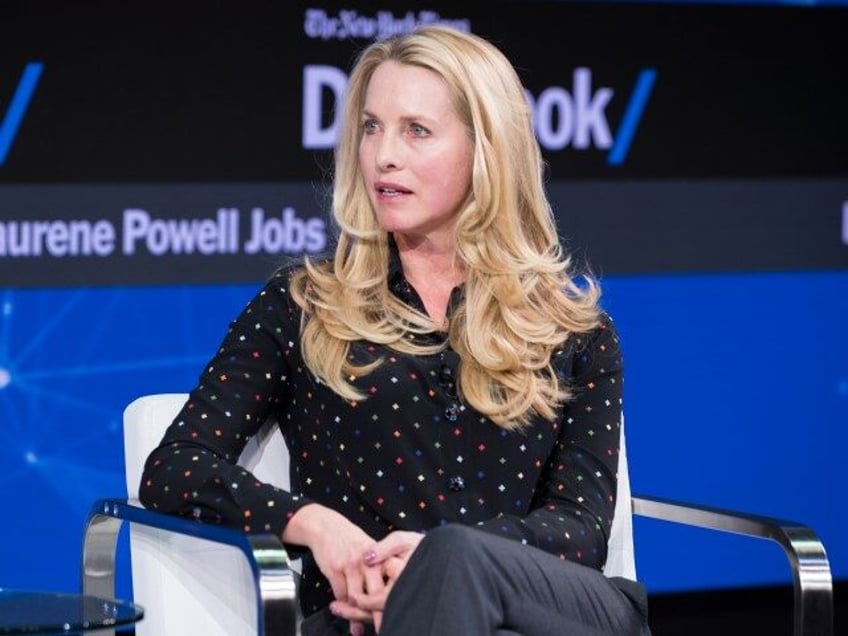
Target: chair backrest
{"x":189,"y":586}
{"x":621,"y":558}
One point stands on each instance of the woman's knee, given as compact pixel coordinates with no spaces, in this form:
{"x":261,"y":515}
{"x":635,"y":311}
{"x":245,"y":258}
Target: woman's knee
{"x":452,"y":541}
{"x":453,"y":534}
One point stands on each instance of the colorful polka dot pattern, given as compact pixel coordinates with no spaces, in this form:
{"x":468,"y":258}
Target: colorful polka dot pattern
{"x":412,"y":456}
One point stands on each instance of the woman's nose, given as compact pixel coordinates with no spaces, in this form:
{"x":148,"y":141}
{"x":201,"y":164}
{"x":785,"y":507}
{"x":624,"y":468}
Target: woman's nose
{"x":388,"y":152}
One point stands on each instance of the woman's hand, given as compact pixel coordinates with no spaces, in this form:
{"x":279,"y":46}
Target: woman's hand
{"x":337,"y":546}
{"x":387,"y":558}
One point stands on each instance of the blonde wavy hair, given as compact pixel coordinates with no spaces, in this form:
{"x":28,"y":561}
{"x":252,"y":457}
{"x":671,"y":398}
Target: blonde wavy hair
{"x":520,"y":302}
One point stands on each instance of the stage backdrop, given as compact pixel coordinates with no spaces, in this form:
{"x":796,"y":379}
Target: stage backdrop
{"x":157,"y":161}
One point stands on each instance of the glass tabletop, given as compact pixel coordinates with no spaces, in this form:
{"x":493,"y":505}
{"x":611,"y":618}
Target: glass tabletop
{"x":32,"y":612}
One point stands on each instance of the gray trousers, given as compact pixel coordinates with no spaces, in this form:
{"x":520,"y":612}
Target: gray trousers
{"x":464,"y":582}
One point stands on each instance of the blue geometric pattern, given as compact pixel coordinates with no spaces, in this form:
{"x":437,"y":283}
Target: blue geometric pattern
{"x":70,"y":361}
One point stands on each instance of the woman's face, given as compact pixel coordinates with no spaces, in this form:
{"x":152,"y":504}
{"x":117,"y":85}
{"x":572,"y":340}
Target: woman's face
{"x":415,"y":154}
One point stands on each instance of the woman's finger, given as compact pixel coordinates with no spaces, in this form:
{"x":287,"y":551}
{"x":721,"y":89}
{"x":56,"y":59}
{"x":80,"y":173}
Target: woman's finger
{"x":338,"y":583}
{"x":344,"y":609}
{"x":355,"y":582}
{"x":374,"y":580}
{"x":371,"y":602}
{"x":373,"y":598}
{"x":392,"y":568}
{"x":396,"y":543}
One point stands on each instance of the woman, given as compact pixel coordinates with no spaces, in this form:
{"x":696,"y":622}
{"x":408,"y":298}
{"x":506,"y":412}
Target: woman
{"x":450,"y":395}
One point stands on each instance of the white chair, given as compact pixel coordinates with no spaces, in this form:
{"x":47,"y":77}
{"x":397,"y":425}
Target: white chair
{"x":195,"y":578}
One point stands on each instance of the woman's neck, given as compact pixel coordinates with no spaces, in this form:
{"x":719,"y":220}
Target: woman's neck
{"x":434,"y":271}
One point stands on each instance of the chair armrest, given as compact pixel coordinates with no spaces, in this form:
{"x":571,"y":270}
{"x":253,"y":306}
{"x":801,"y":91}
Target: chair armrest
{"x":277,"y":611}
{"x":813,"y":588}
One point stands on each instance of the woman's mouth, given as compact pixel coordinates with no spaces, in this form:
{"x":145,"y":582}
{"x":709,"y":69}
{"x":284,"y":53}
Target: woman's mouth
{"x":391,"y":190}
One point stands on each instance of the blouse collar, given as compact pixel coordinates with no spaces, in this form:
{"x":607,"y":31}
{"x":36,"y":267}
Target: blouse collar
{"x":405,"y":292}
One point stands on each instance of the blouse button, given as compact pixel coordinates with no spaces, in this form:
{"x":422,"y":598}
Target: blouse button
{"x":456,"y":484}
{"x":452,"y":412}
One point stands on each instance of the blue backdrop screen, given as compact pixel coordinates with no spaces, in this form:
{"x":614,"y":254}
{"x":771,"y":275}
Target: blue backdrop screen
{"x":736,"y":396}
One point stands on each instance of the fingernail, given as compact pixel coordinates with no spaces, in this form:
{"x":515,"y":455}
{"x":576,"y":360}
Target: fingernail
{"x":369,"y":556}
{"x":357,"y":630}
{"x":334,"y":609}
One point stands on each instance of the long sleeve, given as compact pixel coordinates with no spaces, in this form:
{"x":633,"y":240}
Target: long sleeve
{"x":193,"y":471}
{"x":572,"y":511}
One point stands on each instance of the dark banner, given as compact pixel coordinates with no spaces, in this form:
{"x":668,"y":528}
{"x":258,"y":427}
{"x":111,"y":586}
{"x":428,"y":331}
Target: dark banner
{"x":210,"y":91}
{"x":191,"y":141}
{"x":56,"y":235}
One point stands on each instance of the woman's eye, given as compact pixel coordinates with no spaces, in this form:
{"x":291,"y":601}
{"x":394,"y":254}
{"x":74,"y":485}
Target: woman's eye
{"x":418,"y":130}
{"x":369,"y":126}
